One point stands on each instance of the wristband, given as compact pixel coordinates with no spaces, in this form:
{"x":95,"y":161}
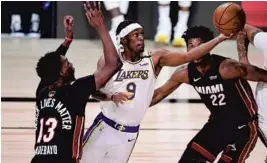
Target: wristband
{"x":68,"y":39}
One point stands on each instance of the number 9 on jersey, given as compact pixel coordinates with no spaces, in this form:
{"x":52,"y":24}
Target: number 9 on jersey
{"x":131,"y":87}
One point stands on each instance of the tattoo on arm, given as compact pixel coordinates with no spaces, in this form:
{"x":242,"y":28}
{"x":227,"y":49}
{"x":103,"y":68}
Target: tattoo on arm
{"x":242,"y":46}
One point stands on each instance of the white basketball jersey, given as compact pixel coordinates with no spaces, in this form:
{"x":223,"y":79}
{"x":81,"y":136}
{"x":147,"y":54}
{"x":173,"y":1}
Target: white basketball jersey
{"x":134,"y":77}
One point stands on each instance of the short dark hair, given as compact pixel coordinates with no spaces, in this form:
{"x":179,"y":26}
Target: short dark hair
{"x":48,"y":67}
{"x":202,"y":32}
{"x":123,"y":24}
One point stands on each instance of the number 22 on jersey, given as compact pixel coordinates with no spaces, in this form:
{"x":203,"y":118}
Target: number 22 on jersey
{"x":51,"y":123}
{"x":218,"y":100}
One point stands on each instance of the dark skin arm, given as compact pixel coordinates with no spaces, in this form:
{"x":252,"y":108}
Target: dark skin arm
{"x":68,"y":22}
{"x":231,"y":69}
{"x":119,"y":97}
{"x":96,"y":19}
{"x":178,"y":77}
{"x":243,"y":39}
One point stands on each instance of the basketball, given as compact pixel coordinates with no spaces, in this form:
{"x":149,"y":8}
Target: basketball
{"x":229,"y":18}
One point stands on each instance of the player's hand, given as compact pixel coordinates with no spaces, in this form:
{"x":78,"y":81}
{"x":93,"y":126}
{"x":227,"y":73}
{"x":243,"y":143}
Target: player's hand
{"x":68,"y":22}
{"x":94,"y":14}
{"x":121,"y":97}
{"x":223,"y":37}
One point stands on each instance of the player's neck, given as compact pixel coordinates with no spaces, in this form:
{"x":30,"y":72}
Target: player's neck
{"x":203,"y":68}
{"x":131,"y":56}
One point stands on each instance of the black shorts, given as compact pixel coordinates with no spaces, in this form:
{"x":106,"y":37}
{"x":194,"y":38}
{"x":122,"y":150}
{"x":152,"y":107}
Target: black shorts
{"x":216,"y":136}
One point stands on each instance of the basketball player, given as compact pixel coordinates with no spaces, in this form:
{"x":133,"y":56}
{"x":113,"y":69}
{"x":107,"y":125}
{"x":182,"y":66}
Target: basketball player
{"x":222,"y":85}
{"x":258,"y":38}
{"x":61,"y":99}
{"x":114,"y":132}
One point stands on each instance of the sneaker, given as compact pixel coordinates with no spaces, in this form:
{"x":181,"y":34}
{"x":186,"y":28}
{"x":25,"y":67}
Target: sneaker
{"x":163,"y":34}
{"x":178,"y":41}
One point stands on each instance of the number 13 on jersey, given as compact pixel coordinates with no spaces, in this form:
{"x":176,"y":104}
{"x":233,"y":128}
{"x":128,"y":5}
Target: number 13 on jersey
{"x":131,"y":87}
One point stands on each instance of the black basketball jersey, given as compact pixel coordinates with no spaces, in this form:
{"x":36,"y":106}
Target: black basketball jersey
{"x":60,"y":116}
{"x":230,"y":99}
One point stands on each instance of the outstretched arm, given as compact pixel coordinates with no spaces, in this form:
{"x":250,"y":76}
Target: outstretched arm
{"x":96,"y":19}
{"x":176,"y":58}
{"x":242,"y":46}
{"x":178,"y":77}
{"x":68,"y":22}
{"x":231,"y":69}
{"x":243,"y":39}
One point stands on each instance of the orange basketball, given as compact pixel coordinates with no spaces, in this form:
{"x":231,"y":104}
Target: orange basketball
{"x":229,"y":18}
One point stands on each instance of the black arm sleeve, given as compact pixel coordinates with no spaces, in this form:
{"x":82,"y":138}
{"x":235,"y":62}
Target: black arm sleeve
{"x":62,"y":50}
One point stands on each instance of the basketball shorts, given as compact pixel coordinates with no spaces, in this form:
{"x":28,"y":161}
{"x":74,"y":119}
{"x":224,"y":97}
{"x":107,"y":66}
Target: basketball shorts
{"x":108,"y":142}
{"x":260,"y":42}
{"x":261,"y":99}
{"x":236,"y":142}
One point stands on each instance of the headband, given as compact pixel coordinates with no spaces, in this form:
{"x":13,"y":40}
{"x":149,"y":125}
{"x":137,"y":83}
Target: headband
{"x":125,"y":31}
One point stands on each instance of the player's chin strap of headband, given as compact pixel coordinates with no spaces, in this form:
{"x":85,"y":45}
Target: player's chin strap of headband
{"x":124,"y":32}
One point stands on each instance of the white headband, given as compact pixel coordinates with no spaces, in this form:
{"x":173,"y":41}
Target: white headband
{"x":125,"y":31}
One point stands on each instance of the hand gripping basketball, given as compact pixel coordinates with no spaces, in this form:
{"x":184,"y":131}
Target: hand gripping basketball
{"x":68,"y":22}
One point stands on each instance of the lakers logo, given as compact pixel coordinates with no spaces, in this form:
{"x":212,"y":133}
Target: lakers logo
{"x":143,"y":74}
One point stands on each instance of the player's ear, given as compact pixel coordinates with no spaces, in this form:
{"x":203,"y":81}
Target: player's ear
{"x":124,"y":41}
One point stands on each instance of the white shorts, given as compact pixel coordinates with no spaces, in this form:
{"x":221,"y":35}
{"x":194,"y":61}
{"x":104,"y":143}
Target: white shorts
{"x":104,"y":144}
{"x":260,"y":42}
{"x":261,"y":99}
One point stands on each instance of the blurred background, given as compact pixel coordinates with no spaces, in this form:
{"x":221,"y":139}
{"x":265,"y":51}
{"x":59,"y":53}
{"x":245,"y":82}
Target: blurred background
{"x":43,"y":19}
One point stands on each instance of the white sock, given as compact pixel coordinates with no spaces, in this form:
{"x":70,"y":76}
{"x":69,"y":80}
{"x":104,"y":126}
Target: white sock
{"x":164,"y":12}
{"x":124,"y":5}
{"x":183,"y":18}
{"x":116,"y":21}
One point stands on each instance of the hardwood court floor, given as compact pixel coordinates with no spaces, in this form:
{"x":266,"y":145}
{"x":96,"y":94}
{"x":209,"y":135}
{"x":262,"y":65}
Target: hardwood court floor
{"x":165,"y":130}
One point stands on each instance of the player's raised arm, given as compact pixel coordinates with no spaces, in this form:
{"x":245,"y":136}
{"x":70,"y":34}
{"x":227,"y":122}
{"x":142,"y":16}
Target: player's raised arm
{"x":242,"y":46}
{"x":96,"y":19}
{"x":68,"y":22}
{"x":175,"y":58}
{"x":178,"y":77}
{"x":231,"y":69}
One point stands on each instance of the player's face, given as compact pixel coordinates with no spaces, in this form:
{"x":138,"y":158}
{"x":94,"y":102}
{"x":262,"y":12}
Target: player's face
{"x":67,"y":69}
{"x":192,"y":43}
{"x":135,"y":40}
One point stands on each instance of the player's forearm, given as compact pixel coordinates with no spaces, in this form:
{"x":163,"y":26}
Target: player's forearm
{"x":110,"y":52}
{"x":157,"y":97}
{"x":256,"y":74}
{"x":242,"y":47}
{"x":202,"y":50}
{"x":179,"y":58}
{"x":101,"y":96}
{"x":63,"y":48}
